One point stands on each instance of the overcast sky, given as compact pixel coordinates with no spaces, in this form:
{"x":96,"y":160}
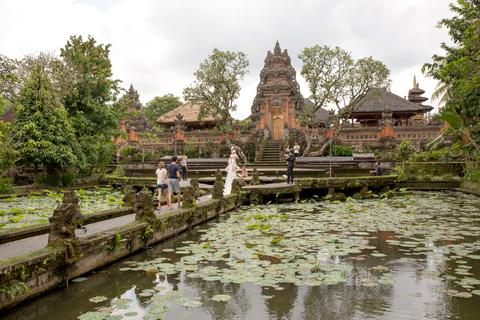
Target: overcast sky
{"x":157,"y":45}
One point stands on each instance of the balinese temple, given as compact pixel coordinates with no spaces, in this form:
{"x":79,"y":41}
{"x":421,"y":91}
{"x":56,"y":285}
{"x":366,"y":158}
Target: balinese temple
{"x":135,"y":120}
{"x":278,"y":99}
{"x":188,"y":113}
{"x":376,"y":103}
{"x":134,"y":97}
{"x":380,"y":118}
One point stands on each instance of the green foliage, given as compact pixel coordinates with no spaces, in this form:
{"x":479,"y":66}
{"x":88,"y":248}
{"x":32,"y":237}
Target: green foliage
{"x":3,"y":104}
{"x":455,"y":152}
{"x":339,"y":150}
{"x":334,"y":77}
{"x":116,"y":240}
{"x":14,"y":288}
{"x":161,"y":105}
{"x":8,"y":155}
{"x":97,"y":153}
{"x":88,"y":101}
{"x":6,"y":185}
{"x":458,"y":71}
{"x":217,"y":85}
{"x":147,"y":233}
{"x":43,"y":134}
{"x":403,"y":150}
{"x":191,"y":151}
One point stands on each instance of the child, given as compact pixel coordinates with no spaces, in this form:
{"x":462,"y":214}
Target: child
{"x":162,"y":180}
{"x":243,"y":172}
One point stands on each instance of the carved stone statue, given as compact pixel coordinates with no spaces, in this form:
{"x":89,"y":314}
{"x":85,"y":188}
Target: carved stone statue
{"x":195,"y":185}
{"x":128,"y":196}
{"x":143,"y":207}
{"x":188,"y":195}
{"x":255,"y":178}
{"x":217,"y":192}
{"x":235,"y":186}
{"x":63,"y":222}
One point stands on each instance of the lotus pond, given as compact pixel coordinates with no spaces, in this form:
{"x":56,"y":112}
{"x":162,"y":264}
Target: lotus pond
{"x":410,"y":256}
{"x":37,"y":207}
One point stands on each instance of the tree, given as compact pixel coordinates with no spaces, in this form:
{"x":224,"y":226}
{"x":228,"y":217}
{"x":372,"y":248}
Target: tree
{"x":43,"y":134}
{"x":89,"y":98}
{"x":336,"y":79}
{"x":160,"y":105}
{"x":3,"y":104}
{"x":217,"y":85}
{"x":458,"y":70}
{"x":9,"y":81}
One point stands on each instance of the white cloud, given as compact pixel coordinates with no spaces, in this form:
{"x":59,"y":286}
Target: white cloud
{"x":157,"y":45}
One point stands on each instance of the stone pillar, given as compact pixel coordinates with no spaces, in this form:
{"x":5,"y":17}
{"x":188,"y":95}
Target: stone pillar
{"x":255,"y":178}
{"x":188,"y":200}
{"x":235,"y":186}
{"x":128,"y":196}
{"x":62,"y":226}
{"x":217,"y":192}
{"x":143,"y":207}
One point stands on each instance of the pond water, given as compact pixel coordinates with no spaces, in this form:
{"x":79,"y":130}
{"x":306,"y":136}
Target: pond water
{"x":411,"y":256}
{"x":37,"y":207}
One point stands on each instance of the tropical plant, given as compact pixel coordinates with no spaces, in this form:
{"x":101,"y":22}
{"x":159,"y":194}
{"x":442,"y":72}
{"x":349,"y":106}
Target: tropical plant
{"x":458,"y":70}
{"x":160,"y":105}
{"x":403,"y":150}
{"x":43,"y":134}
{"x":217,"y":85}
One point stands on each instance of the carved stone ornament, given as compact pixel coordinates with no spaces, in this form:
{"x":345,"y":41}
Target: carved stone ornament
{"x":217,"y":192}
{"x":143,"y":207}
{"x":63,"y":222}
{"x":128,"y":196}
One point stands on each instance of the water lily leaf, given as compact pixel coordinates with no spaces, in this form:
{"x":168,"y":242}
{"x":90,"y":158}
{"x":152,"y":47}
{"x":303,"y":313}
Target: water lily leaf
{"x":98,"y":299}
{"x":221,"y":297}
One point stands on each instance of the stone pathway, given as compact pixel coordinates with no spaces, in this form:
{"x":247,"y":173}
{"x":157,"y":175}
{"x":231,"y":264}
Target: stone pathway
{"x":23,"y":246}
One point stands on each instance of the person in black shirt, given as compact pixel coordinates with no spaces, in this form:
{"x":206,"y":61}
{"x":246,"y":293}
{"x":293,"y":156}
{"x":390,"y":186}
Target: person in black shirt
{"x":173,"y":170}
{"x":290,"y":157}
{"x":378,"y":169}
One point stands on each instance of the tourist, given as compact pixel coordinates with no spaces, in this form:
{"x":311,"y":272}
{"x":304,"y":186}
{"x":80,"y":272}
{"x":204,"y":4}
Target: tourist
{"x":296,"y":150}
{"x":173,"y":171}
{"x":243,"y":173}
{"x":290,"y":157}
{"x":162,"y":182}
{"x":378,"y":169}
{"x":183,"y":163}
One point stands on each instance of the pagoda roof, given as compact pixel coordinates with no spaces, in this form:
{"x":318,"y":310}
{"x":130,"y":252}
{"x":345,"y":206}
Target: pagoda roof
{"x":189,"y":111}
{"x":378,"y":100}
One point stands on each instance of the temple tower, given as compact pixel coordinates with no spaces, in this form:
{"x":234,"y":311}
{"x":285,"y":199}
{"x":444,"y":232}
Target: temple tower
{"x":415,"y":94}
{"x":278,"y":100}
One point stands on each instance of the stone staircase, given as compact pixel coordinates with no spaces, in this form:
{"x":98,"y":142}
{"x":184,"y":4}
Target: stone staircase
{"x":271,"y":155}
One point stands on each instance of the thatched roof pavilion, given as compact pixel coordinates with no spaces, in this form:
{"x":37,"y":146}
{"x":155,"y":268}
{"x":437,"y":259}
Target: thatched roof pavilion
{"x":368,"y":110}
{"x":190,"y":112}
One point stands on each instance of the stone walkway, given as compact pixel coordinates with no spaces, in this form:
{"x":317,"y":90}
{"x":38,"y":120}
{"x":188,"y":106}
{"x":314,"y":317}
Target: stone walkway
{"x":23,"y":246}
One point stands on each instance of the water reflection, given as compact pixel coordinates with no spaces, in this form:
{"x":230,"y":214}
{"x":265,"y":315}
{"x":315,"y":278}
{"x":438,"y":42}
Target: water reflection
{"x":411,"y":274}
{"x":132,"y":308}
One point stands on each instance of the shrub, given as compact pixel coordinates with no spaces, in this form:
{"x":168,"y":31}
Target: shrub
{"x":403,"y":150}
{"x":6,"y":185}
{"x":67,"y":178}
{"x":339,"y":150}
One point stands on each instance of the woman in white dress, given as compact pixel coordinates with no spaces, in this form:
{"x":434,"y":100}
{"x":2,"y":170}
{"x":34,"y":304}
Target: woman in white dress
{"x":231,"y":169}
